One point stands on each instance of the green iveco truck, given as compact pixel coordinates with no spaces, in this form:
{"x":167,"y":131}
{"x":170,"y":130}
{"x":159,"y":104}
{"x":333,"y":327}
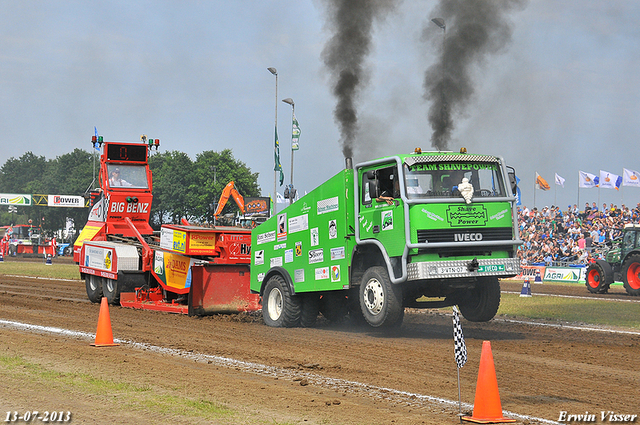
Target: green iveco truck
{"x":423,"y":230}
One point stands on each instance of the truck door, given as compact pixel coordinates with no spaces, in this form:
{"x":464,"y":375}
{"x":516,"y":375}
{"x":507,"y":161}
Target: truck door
{"x":382,"y":209}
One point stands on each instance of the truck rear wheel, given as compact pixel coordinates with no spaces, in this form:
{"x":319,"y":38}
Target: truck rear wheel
{"x":482,"y":302}
{"x":310,"y":310}
{"x":94,"y":287}
{"x":380,"y":300}
{"x":111,"y":290}
{"x":599,"y":277}
{"x":631,"y":274}
{"x":279,"y":307}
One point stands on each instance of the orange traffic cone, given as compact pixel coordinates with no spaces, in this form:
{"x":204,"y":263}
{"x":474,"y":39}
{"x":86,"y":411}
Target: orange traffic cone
{"x":104,"y":336}
{"x":487,"y":408}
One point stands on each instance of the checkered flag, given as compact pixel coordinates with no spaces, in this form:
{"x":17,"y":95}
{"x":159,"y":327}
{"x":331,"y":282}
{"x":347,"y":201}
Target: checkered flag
{"x":460,"y":348}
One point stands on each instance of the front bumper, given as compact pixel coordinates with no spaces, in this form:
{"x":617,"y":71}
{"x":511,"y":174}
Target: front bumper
{"x":501,"y":267}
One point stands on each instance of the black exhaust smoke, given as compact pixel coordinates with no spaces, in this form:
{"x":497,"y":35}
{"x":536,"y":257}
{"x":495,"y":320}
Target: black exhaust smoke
{"x":345,"y":54}
{"x":473,"y":30}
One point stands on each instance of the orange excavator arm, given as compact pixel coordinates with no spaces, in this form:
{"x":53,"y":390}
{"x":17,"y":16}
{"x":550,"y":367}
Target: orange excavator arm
{"x":229,"y":190}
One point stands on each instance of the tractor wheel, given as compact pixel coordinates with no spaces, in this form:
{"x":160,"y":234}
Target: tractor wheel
{"x":310,"y":310}
{"x":68,"y":251}
{"x":380,"y":300}
{"x":279,"y":307}
{"x":482,"y":302}
{"x":599,"y":277}
{"x":111,"y":290}
{"x":631,"y":274}
{"x":94,"y":287}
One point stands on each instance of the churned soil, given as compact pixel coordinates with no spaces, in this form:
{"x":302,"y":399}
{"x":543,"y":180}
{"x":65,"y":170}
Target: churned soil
{"x":330,"y":374}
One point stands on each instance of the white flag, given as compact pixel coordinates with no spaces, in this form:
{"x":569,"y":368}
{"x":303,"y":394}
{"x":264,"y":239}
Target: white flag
{"x":587,"y":179}
{"x":559,"y":180}
{"x":609,"y":180}
{"x":630,"y":178}
{"x":280,"y":198}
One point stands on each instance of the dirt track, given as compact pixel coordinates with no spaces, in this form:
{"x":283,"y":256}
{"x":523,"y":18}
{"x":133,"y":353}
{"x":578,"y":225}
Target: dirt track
{"x":326,"y":375}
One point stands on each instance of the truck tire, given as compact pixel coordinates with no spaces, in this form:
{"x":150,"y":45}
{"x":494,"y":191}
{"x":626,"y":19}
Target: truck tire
{"x":111,"y":290}
{"x":333,"y":306}
{"x":599,"y":277}
{"x":631,"y":274}
{"x":380,"y":300}
{"x":279,"y":307}
{"x":482,"y":302}
{"x":310,"y":310}
{"x":94,"y":287}
{"x":68,"y":251}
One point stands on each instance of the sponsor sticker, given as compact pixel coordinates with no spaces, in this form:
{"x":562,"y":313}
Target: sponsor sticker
{"x":337,"y":253}
{"x":315,"y":238}
{"x":328,"y":205}
{"x":333,"y":229}
{"x":280,"y":246}
{"x":276,"y":262}
{"x":260,"y":277}
{"x":266,"y":237}
{"x":299,"y":223}
{"x":298,"y":275}
{"x":288,"y":256}
{"x":387,"y":220}
{"x":259,"y":260}
{"x":282,"y":227}
{"x":316,"y":256}
{"x":335,"y":273}
{"x":322,"y":273}
{"x":298,"y":249}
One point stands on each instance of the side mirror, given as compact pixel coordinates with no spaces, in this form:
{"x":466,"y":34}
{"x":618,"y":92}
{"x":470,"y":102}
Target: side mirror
{"x":512,"y":180}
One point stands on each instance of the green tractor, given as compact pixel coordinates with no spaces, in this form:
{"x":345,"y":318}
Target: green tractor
{"x":621,"y":263}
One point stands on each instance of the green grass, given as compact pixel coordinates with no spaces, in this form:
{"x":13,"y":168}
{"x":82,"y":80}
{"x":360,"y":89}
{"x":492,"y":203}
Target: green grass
{"x":593,"y":311}
{"x":28,"y":268}
{"x":132,"y":396}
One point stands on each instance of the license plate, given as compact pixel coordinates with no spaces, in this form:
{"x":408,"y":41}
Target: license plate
{"x":491,"y":268}
{"x":452,"y":270}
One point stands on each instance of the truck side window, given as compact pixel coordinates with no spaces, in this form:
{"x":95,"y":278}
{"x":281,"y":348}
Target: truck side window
{"x":388,"y":182}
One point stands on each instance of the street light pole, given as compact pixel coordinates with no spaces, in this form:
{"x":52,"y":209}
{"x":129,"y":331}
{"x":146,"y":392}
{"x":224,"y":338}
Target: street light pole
{"x":275,"y":177}
{"x":293,"y":114}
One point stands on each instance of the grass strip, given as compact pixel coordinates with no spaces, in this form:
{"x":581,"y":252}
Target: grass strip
{"x":27,"y":268}
{"x":592,"y":311}
{"x":136,"y":397}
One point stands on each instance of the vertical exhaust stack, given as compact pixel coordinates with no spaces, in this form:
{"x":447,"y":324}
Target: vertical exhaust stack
{"x":348,"y":163}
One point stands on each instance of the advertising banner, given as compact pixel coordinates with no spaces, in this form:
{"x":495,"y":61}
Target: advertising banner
{"x":15,"y":199}
{"x":65,"y":201}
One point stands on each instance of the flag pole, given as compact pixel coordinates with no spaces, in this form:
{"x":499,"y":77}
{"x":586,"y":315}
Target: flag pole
{"x":534,"y":191}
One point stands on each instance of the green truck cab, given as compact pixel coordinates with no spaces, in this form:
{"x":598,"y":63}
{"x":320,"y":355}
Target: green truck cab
{"x":423,"y":230}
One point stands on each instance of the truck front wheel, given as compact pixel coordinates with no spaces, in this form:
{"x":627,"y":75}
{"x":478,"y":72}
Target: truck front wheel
{"x":279,"y":307}
{"x":380,"y":300}
{"x":631,"y":274}
{"x":94,"y":287}
{"x":599,"y":277}
{"x":482,"y":302}
{"x":111,"y":290}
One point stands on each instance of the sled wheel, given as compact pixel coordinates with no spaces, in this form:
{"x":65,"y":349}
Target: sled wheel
{"x":111,"y":290}
{"x":94,"y":287}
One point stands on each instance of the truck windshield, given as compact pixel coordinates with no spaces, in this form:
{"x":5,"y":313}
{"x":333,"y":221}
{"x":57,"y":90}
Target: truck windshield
{"x":441,"y":180}
{"x":133,"y":176}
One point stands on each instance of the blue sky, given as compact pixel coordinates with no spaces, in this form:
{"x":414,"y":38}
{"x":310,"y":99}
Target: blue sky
{"x":562,"y":96}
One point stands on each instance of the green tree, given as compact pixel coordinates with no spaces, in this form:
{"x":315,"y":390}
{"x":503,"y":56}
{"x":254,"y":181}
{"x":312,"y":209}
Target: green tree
{"x":172,"y":181}
{"x":213,"y":170}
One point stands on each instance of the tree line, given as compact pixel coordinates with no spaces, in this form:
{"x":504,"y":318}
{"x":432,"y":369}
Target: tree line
{"x":182,"y":187}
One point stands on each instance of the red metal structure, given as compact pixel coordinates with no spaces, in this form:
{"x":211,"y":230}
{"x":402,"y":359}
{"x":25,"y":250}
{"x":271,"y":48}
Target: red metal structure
{"x":181,"y":269}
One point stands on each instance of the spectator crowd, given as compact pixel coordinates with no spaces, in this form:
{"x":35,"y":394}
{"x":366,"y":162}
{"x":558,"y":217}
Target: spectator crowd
{"x":551,"y":235}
